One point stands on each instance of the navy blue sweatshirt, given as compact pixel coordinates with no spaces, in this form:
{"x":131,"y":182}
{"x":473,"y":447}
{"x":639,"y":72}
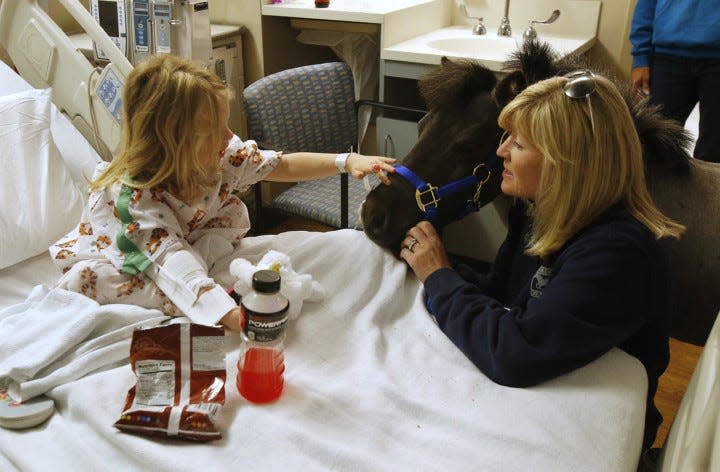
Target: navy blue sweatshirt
{"x":531,"y":320}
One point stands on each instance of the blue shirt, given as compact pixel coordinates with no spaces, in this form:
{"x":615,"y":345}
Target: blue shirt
{"x":685,"y":28}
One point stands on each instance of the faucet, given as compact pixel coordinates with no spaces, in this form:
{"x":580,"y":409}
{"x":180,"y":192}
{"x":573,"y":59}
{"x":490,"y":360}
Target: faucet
{"x":529,"y":34}
{"x":479,"y":28}
{"x":504,"y":28}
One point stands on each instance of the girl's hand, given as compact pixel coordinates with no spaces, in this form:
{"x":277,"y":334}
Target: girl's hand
{"x":359,"y":166}
{"x":234,"y":320}
{"x":423,"y":250}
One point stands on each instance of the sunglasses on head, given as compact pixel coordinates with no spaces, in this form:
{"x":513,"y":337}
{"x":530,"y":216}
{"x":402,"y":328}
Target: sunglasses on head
{"x":581,"y":84}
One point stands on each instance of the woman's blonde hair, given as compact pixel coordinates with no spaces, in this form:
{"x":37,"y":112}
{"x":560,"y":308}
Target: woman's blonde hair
{"x":170,"y":108}
{"x":592,"y":161}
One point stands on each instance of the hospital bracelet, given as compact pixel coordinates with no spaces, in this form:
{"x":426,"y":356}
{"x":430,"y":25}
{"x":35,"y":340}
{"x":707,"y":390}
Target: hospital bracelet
{"x":340,"y":161}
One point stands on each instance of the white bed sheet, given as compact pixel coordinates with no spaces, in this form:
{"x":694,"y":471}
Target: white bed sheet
{"x":371,"y":384}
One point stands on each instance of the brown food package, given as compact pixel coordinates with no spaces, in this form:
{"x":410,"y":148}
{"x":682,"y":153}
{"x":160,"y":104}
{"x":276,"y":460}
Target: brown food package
{"x":180,"y":382}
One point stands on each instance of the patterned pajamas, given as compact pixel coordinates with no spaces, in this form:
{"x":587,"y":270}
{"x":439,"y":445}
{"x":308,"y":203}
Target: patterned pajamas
{"x":149,"y":248}
{"x":100,"y":280}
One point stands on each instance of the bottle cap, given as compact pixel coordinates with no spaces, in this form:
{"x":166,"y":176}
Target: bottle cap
{"x":266,"y":281}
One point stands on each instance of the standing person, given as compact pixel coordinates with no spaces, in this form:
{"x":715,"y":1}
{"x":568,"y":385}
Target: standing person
{"x":164,"y":210}
{"x":581,"y":270}
{"x":676,"y":60}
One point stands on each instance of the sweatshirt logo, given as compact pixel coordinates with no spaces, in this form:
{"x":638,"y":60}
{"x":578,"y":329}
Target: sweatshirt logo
{"x":539,"y":281}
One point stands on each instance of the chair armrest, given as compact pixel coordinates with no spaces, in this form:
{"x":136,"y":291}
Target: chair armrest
{"x":420,"y":112}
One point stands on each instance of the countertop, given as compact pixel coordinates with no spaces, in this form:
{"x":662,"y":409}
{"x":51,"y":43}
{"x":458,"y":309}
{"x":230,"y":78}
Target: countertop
{"x":489,"y":49}
{"x":363,"y":11}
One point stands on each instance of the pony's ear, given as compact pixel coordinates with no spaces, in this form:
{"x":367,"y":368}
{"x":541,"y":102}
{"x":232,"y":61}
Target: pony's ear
{"x":532,"y":62}
{"x":508,"y":88}
{"x":537,"y":61}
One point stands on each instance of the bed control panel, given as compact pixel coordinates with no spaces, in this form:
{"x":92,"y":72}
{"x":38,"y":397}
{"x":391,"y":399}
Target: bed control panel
{"x":106,"y":107}
{"x":108,"y":90}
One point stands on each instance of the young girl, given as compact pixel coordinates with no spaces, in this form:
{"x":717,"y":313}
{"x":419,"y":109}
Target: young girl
{"x":164,"y":210}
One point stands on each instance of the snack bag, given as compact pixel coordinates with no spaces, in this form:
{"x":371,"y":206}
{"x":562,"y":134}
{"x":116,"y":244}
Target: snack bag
{"x":180,"y":386}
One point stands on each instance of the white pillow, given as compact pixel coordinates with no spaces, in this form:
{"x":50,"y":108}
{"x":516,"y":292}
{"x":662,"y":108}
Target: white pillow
{"x":39,"y":202}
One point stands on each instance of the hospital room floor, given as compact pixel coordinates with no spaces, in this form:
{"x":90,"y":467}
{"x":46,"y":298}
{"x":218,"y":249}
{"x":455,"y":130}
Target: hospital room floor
{"x":673,"y":383}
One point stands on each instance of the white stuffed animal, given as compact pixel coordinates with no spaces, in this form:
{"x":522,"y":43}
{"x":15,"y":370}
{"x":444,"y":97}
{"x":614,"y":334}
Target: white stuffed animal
{"x":295,"y":287}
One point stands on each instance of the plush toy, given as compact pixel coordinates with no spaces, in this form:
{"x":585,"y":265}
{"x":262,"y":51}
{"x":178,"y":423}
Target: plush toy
{"x":295,"y":287}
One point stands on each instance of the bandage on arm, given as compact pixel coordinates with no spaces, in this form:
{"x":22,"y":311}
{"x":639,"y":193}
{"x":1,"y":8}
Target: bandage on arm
{"x":181,"y":275}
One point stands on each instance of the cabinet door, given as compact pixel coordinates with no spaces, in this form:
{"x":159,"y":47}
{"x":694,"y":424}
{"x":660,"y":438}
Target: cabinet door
{"x":395,"y":137}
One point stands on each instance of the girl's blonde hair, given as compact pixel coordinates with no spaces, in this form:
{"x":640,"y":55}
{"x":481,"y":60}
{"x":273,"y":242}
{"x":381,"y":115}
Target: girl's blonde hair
{"x":592,"y":161}
{"x":170,"y":108}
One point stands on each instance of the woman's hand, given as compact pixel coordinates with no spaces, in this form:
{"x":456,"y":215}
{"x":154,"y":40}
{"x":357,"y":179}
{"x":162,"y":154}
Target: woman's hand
{"x":233,"y":320}
{"x":423,"y":250}
{"x":359,"y":166}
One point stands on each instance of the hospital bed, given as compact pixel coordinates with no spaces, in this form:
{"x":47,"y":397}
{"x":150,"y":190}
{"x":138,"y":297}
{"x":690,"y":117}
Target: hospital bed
{"x":371,"y":382}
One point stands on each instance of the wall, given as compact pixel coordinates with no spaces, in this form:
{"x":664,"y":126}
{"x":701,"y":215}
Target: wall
{"x":613,"y":47}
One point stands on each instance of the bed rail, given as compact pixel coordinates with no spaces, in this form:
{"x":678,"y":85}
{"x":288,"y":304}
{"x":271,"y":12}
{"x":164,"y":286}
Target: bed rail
{"x":44,"y":56}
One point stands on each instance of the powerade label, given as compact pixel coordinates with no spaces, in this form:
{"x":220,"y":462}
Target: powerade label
{"x":264,"y":327}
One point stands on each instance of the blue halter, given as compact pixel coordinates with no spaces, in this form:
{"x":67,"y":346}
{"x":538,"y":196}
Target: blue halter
{"x":427,"y":196}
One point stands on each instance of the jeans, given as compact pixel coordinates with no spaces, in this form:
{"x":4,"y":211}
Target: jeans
{"x":677,"y":84}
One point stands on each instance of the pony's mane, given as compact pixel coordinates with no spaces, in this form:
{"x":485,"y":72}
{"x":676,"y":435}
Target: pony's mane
{"x":664,"y":141}
{"x":454,"y":84}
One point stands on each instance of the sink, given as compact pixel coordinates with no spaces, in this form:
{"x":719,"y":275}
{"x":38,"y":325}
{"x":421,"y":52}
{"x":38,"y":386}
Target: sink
{"x":458,"y":42}
{"x":468,"y":46}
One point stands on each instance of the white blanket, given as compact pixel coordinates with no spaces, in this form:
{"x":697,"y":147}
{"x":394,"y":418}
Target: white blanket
{"x":371,"y":384}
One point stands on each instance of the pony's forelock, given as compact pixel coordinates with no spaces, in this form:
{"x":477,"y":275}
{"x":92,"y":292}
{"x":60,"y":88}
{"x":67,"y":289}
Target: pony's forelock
{"x":455,"y":83}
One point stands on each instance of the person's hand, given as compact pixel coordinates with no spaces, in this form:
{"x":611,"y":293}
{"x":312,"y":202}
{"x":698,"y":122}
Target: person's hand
{"x":233,"y":319}
{"x":640,"y":80}
{"x":359,"y":166}
{"x":423,"y":250}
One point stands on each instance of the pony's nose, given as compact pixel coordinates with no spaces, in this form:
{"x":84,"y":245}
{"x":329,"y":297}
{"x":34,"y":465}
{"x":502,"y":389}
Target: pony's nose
{"x":375,"y":219}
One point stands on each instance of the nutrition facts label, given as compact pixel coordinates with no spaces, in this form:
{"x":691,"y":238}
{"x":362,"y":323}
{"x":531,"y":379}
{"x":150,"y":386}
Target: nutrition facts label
{"x":155,"y":382}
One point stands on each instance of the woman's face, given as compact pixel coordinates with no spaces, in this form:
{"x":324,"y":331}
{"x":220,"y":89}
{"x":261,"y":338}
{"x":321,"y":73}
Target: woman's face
{"x":522,"y":166}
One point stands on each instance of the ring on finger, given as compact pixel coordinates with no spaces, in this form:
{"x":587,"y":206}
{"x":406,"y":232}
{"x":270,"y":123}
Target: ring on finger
{"x":412,"y":244}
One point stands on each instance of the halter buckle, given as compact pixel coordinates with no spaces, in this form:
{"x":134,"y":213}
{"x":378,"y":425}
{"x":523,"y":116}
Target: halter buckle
{"x":481,"y":181}
{"x":433,"y":198}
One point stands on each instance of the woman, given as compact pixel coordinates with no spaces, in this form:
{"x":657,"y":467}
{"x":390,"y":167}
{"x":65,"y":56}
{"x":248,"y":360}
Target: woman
{"x":581,"y":270}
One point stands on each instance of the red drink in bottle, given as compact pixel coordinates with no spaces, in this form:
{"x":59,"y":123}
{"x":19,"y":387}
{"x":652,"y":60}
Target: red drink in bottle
{"x":261,"y":365}
{"x":260,"y":374}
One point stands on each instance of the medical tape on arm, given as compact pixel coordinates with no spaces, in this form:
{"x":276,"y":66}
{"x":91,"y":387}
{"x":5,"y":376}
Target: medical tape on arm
{"x":181,"y":276}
